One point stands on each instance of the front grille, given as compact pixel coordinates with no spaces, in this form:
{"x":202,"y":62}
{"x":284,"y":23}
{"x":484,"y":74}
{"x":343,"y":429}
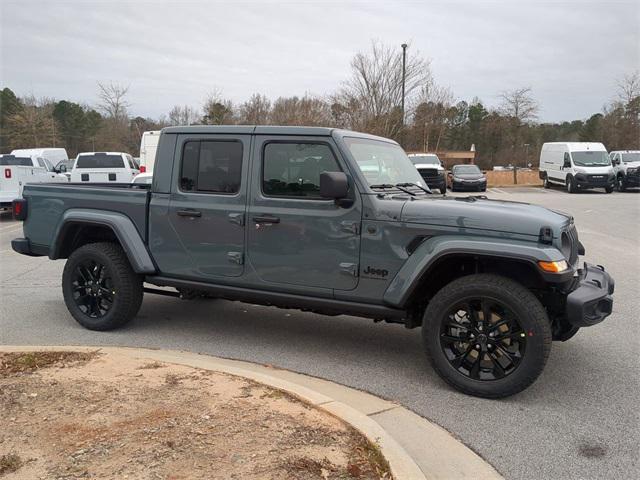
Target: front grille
{"x":572,"y":237}
{"x":429,"y":173}
{"x":598,"y":179}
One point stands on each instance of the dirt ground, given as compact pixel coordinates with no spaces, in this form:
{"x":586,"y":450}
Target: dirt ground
{"x":66,"y":415}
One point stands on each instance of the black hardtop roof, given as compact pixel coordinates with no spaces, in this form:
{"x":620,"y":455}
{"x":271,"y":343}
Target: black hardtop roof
{"x":268,"y":130}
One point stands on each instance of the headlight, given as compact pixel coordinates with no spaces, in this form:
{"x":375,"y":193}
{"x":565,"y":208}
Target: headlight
{"x":632,"y":170}
{"x":579,"y":170}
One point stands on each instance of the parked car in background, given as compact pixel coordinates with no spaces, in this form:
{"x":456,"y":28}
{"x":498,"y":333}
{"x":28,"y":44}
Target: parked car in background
{"x":431,"y":170}
{"x":576,"y":165}
{"x":626,"y":166}
{"x":51,"y":155}
{"x":467,"y":177}
{"x":64,"y":167}
{"x":104,"y":167}
{"x":148,"y":148}
{"x":143,"y":178}
{"x":18,"y":170}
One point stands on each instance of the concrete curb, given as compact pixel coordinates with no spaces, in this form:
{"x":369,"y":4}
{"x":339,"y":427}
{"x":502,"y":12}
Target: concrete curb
{"x":415,"y":448}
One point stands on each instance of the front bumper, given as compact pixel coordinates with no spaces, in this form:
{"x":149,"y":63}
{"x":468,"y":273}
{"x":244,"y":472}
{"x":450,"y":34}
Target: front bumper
{"x":589,"y":301}
{"x":632,"y":179}
{"x":594,"y":181}
{"x":469,"y":185}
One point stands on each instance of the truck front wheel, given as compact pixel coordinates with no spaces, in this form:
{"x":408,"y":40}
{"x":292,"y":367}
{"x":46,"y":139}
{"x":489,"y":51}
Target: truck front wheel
{"x":487,"y":335}
{"x":100,"y":289}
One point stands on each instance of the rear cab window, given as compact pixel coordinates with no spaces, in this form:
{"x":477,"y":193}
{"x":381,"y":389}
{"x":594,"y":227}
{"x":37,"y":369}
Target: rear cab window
{"x":100,"y":161}
{"x":12,"y":161}
{"x":292,"y":169}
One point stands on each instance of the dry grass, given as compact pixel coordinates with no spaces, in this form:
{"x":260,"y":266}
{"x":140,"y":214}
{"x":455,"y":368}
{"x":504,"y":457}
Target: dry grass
{"x":21,"y":363}
{"x":9,"y":463}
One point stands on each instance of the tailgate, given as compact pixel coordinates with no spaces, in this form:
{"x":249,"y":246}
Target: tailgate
{"x":96,"y":176}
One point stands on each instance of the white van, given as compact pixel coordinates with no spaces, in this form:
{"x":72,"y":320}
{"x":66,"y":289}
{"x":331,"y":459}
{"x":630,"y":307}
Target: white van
{"x":103,"y":167}
{"x":576,"y":165}
{"x":16,"y":170}
{"x":148,"y":147}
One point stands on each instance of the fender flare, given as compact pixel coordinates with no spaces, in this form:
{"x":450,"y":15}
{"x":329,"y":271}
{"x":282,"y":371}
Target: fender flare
{"x":435,"y":249}
{"x":122,"y":227}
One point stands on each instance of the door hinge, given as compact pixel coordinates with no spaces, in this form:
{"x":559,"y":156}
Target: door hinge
{"x":349,"y":269}
{"x":236,"y":257}
{"x":350,"y":227}
{"x":237,"y":218}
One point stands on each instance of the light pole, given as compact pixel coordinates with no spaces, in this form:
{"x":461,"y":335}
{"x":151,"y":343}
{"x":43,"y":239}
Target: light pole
{"x":404,"y":75}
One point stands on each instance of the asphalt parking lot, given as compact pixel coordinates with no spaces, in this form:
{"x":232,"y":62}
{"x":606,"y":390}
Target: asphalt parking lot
{"x":579,"y":420}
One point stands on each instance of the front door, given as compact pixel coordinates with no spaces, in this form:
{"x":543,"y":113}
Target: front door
{"x":207,"y":204}
{"x":295,"y":236}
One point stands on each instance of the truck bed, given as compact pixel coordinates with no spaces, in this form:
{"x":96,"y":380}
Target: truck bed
{"x":47,"y":203}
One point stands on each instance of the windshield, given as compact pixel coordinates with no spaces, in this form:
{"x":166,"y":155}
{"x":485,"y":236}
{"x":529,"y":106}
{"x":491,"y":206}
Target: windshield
{"x":466,"y":169}
{"x":590,"y":159}
{"x":100,"y":161}
{"x":10,"y":160}
{"x":424,"y":159}
{"x":631,"y":157}
{"x":382,"y":162}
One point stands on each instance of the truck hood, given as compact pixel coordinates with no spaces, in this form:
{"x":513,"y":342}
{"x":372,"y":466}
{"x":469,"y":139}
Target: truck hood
{"x":484,"y":214}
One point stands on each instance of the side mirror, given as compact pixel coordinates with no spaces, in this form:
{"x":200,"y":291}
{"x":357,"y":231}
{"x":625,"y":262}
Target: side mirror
{"x":567,"y":163}
{"x":62,"y":169}
{"x":616,"y":162}
{"x":334,"y":185}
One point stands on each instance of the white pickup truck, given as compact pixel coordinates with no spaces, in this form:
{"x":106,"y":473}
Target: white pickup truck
{"x":18,"y":170}
{"x":104,"y":167}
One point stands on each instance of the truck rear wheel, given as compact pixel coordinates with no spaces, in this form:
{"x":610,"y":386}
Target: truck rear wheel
{"x":487,"y":335}
{"x":100,"y":289}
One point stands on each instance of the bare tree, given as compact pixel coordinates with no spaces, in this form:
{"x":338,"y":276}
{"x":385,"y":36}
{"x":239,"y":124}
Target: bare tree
{"x":33,"y":125}
{"x":629,"y":88}
{"x":255,"y":111}
{"x":308,"y":110}
{"x":375,"y":89}
{"x":218,"y":110}
{"x":183,"y":115}
{"x":112,"y":100}
{"x":519,"y":104}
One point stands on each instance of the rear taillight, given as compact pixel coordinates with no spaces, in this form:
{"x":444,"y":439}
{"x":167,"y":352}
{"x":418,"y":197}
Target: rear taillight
{"x":143,"y":169}
{"x":19,"y":207}
{"x":7,"y":173}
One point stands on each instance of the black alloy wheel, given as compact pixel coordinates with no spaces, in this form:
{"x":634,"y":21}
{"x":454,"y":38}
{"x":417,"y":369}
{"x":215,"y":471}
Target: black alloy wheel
{"x":100,"y":289}
{"x":482,"y":339}
{"x":486,"y":335}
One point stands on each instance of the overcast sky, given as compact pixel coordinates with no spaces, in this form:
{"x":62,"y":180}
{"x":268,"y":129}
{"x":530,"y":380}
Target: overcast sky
{"x":570,"y":53}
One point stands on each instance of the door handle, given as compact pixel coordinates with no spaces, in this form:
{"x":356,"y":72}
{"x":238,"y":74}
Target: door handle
{"x":266,"y":219}
{"x":189,"y":213}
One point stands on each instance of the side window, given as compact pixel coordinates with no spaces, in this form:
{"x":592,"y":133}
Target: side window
{"x":211,"y":166}
{"x":293,"y":169}
{"x":41,"y":163}
{"x":48,"y":165}
{"x":130,"y":162}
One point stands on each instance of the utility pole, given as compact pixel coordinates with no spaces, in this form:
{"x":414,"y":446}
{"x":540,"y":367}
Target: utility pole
{"x":404,"y":75}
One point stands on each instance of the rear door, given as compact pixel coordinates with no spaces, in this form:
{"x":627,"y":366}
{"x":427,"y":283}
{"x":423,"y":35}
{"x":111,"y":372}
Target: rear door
{"x":297,"y":238}
{"x":207,"y":205}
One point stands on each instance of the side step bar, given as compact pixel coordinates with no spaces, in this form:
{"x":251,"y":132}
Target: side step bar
{"x":328,"y":306}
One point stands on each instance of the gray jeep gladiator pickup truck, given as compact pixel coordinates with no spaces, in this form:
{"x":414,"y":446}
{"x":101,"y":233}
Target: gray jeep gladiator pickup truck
{"x":329,"y":221}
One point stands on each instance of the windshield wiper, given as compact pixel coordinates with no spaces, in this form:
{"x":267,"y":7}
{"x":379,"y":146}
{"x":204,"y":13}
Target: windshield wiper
{"x":399,"y":186}
{"x":409,"y":184}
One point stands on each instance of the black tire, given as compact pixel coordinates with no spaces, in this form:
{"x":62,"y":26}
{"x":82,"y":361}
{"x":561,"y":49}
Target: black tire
{"x":443,"y":190}
{"x":608,"y":189}
{"x":115,"y":282}
{"x":533,"y":337}
{"x":620,"y":185}
{"x":545,"y":182}
{"x":571,"y":185}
